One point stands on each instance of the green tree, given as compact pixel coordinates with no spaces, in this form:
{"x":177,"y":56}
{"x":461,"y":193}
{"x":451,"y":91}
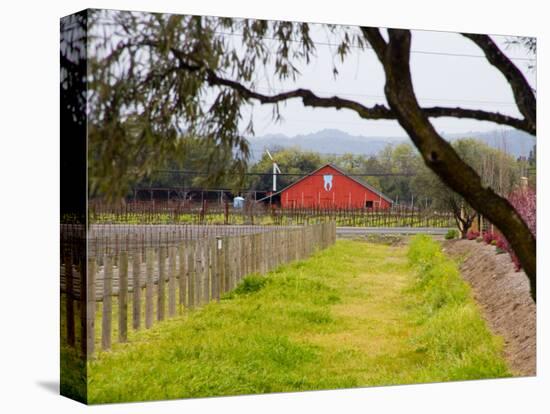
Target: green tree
{"x":193,"y":162}
{"x":399,"y":163}
{"x":497,"y":170}
{"x":373,"y":166}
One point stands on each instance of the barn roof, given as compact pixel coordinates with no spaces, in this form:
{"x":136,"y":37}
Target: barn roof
{"x":367,"y":186}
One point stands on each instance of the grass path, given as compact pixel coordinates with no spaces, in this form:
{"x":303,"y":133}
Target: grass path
{"x":346,"y":317}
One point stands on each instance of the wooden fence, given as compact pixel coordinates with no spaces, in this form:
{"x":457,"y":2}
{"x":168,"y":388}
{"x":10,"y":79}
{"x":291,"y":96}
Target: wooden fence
{"x":111,"y":239}
{"x":170,"y":280}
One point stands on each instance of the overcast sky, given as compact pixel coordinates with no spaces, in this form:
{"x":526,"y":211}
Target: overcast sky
{"x":439,"y":79}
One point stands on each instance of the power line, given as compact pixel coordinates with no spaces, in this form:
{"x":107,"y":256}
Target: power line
{"x":366,"y":46}
{"x":371,"y":174}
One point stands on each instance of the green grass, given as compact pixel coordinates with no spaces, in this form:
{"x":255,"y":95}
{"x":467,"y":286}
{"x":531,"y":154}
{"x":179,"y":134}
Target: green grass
{"x":73,"y":374}
{"x":72,"y":363}
{"x":356,"y":314}
{"x":451,"y":333}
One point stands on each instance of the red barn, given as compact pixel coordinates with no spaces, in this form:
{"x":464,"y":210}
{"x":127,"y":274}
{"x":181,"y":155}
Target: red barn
{"x":330,"y":187}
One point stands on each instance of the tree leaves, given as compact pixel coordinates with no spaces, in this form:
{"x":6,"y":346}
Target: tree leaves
{"x":141,"y":98}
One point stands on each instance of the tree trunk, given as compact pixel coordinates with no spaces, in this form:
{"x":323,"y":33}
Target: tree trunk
{"x":440,"y":157}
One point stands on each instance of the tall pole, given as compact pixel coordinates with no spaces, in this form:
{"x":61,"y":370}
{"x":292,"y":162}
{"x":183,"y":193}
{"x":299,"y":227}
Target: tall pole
{"x":275,"y":170}
{"x":274,"y":177}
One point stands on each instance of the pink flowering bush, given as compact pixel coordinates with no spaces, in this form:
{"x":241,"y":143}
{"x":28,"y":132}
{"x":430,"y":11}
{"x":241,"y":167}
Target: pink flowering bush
{"x":488,"y":237}
{"x":472,"y":235}
{"x":525,"y":202}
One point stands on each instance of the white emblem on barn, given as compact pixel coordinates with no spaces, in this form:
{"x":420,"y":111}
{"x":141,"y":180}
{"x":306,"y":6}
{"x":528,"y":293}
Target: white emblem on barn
{"x":328,"y":182}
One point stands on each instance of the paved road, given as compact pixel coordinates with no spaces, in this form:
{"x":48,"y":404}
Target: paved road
{"x":359,"y":231}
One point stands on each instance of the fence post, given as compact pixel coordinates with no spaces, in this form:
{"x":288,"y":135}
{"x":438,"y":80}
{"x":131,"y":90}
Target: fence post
{"x":222,"y":265}
{"x":216,"y":275}
{"x":83,"y":302}
{"x":279,"y":247}
{"x":233,"y":258}
{"x":205,"y":259}
{"x":191,"y":261}
{"x":160,"y":283}
{"x":219,"y":266}
{"x":199,"y":270}
{"x":123,"y":297}
{"x":271,"y":251}
{"x":211,"y":253}
{"x":136,"y":290}
{"x":305,"y":247}
{"x":182,"y":275}
{"x":239,"y":258}
{"x":236,"y":260}
{"x":227,"y":264}
{"x":293,"y":255}
{"x":172,"y":281}
{"x":260,"y":252}
{"x":284,"y":243}
{"x":91,"y":304}
{"x":69,"y":304}
{"x":247,"y":254}
{"x":107,"y":304}
{"x":252,"y":253}
{"x":149,"y":263}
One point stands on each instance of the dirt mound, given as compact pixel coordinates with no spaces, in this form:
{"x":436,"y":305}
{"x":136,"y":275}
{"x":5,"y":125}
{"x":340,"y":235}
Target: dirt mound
{"x":503,"y":295}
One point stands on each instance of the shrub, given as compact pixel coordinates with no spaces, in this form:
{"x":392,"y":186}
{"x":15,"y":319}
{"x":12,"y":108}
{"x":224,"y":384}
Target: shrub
{"x":472,"y":235}
{"x":501,"y":243}
{"x":451,"y":234}
{"x":251,"y":284}
{"x":525,"y":202}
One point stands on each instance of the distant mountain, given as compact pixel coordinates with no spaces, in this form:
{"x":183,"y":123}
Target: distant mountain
{"x":335,"y":141}
{"x":326,"y":141}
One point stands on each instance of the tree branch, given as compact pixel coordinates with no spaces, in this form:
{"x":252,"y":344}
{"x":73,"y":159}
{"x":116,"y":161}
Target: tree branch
{"x":496,"y":117}
{"x":375,"y":39}
{"x":523,"y":94}
{"x":375,"y":112}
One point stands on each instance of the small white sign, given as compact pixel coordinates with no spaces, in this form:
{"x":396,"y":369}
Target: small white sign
{"x":327,"y":182}
{"x":219,"y":244}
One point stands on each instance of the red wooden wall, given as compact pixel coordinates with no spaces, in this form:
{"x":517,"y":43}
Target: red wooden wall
{"x":345,"y":192}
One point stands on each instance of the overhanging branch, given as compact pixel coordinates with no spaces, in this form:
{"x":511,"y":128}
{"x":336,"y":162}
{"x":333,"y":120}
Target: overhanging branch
{"x":375,"y":112}
{"x":375,"y":39}
{"x":523,"y":94}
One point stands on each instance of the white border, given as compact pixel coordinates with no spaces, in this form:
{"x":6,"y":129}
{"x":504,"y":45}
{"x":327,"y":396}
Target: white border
{"x":29,"y":162}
